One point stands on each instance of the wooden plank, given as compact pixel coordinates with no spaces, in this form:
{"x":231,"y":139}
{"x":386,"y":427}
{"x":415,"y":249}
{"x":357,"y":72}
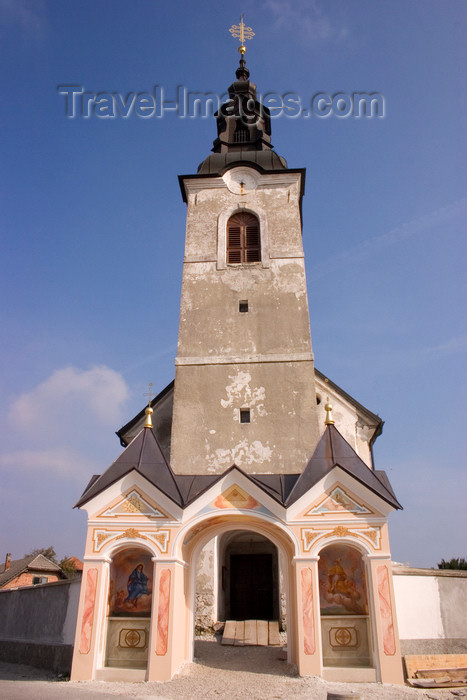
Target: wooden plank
{"x":251,"y":638}
{"x":262,"y":630}
{"x":274,"y":638}
{"x":239,"y":633}
{"x":229,"y":632}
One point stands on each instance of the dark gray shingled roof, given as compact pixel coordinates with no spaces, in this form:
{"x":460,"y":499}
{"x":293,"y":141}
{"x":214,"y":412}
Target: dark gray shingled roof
{"x":144,"y":455}
{"x":334,"y":451}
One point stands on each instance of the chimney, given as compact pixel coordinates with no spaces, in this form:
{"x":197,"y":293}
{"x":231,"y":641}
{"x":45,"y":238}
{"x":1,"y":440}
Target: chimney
{"x":7,"y":561}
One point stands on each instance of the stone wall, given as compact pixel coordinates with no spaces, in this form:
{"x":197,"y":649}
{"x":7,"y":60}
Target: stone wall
{"x":37,"y":624}
{"x":431,"y":610}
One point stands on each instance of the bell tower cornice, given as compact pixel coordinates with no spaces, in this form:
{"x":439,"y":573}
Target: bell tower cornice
{"x":191,"y":184}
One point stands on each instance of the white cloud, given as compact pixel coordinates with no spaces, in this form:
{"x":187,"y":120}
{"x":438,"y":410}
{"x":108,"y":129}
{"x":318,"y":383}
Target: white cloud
{"x":71,"y":396}
{"x":65,"y":425}
{"x":306,"y":19}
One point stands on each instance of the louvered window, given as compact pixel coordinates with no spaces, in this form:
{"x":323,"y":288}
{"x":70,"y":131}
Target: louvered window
{"x":243,"y":239}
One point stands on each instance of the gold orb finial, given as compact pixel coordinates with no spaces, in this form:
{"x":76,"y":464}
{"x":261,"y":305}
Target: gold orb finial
{"x":148,"y":421}
{"x":241,"y":32}
{"x":148,"y":410}
{"x":328,"y":409}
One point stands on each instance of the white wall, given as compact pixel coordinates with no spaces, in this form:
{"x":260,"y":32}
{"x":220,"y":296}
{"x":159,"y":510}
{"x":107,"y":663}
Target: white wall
{"x":431,"y":604}
{"x":418,"y":607}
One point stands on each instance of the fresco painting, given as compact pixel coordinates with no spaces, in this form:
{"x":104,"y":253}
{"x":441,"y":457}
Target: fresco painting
{"x":342,"y":585}
{"x":130,"y":590}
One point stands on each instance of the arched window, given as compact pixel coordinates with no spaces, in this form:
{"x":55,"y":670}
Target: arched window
{"x":243,"y":239}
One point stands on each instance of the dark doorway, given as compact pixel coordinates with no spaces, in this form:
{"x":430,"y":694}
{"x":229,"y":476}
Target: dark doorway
{"x":251,"y":587}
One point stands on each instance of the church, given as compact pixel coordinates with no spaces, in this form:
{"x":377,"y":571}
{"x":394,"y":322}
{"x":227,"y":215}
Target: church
{"x":246,"y":492}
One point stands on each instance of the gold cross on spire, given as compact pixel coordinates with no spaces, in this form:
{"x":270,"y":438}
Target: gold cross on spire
{"x":150,"y":394}
{"x":240,"y":32}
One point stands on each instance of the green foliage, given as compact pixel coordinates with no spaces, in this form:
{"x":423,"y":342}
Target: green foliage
{"x":48,"y":552}
{"x":458,"y":564}
{"x":68,"y":567}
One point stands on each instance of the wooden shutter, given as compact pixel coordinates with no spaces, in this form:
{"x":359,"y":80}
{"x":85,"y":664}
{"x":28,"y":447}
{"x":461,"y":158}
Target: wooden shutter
{"x":243,"y":239}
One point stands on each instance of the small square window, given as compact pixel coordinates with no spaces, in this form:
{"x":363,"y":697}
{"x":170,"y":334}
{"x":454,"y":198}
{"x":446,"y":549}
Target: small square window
{"x":243,"y":306}
{"x":244,"y":415}
{"x":36,"y":580}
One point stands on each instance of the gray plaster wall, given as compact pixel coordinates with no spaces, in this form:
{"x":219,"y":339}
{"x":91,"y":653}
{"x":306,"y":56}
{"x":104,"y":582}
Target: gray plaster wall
{"x":38,"y":623}
{"x":261,"y":360}
{"x":453,"y":606}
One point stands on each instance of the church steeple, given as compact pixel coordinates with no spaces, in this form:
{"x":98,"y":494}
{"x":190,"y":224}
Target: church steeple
{"x":243,"y":123}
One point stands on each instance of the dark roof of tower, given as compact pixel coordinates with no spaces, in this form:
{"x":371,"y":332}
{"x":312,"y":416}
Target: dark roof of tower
{"x":334,"y":451}
{"x":243,"y":130}
{"x":217,"y":163}
{"x":145,"y":456}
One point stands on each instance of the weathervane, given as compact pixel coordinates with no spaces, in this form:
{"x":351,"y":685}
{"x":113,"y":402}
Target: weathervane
{"x":240,"y":32}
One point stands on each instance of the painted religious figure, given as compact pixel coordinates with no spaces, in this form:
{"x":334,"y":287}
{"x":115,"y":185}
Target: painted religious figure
{"x":137,"y":585}
{"x":130,"y":591}
{"x":342,"y":581}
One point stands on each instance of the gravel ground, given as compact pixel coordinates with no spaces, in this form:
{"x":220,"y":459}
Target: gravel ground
{"x":236,"y":673}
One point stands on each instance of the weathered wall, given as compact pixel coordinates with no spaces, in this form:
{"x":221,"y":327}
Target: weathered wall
{"x":206,"y":573}
{"x":37,"y":624}
{"x":227,"y":359}
{"x":431,"y":610}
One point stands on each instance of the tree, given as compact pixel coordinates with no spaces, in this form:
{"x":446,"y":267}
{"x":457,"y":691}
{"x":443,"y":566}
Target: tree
{"x":68,"y":567}
{"x":47,"y":552}
{"x":458,"y":564}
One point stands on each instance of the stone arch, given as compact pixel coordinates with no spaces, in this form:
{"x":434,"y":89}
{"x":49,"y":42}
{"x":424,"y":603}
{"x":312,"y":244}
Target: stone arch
{"x":352,"y":540}
{"x":115,"y":545}
{"x":198,"y":534}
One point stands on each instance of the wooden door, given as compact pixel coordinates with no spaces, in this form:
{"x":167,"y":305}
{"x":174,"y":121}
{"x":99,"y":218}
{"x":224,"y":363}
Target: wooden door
{"x":251,"y":587}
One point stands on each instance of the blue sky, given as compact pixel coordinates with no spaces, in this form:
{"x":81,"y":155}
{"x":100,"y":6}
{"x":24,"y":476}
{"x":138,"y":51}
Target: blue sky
{"x":92,"y":226}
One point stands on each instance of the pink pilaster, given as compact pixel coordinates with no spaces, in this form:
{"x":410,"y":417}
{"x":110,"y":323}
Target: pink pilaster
{"x":387,"y":637}
{"x":168,"y":626}
{"x":308,"y":646}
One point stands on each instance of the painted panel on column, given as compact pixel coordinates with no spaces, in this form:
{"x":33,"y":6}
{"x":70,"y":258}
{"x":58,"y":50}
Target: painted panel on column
{"x":385,"y":608}
{"x":88,"y":611}
{"x":130,"y":590}
{"x":307,"y":612}
{"x":342,"y":586}
{"x":163,"y":613}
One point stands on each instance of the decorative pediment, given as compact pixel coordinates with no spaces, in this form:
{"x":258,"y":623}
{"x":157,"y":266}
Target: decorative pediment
{"x":132,"y":504}
{"x":338,"y":501}
{"x":103,"y":536}
{"x":235,"y":497}
{"x":371,"y":535}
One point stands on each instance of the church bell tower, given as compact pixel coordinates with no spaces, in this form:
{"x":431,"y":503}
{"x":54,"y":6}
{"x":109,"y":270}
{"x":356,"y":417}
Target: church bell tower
{"x":245,"y":382}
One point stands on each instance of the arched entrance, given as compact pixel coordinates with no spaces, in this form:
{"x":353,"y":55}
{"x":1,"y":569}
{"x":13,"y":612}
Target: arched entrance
{"x":243,"y":537}
{"x":344,"y":607}
{"x":129,"y":608}
{"x":249,"y":568}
